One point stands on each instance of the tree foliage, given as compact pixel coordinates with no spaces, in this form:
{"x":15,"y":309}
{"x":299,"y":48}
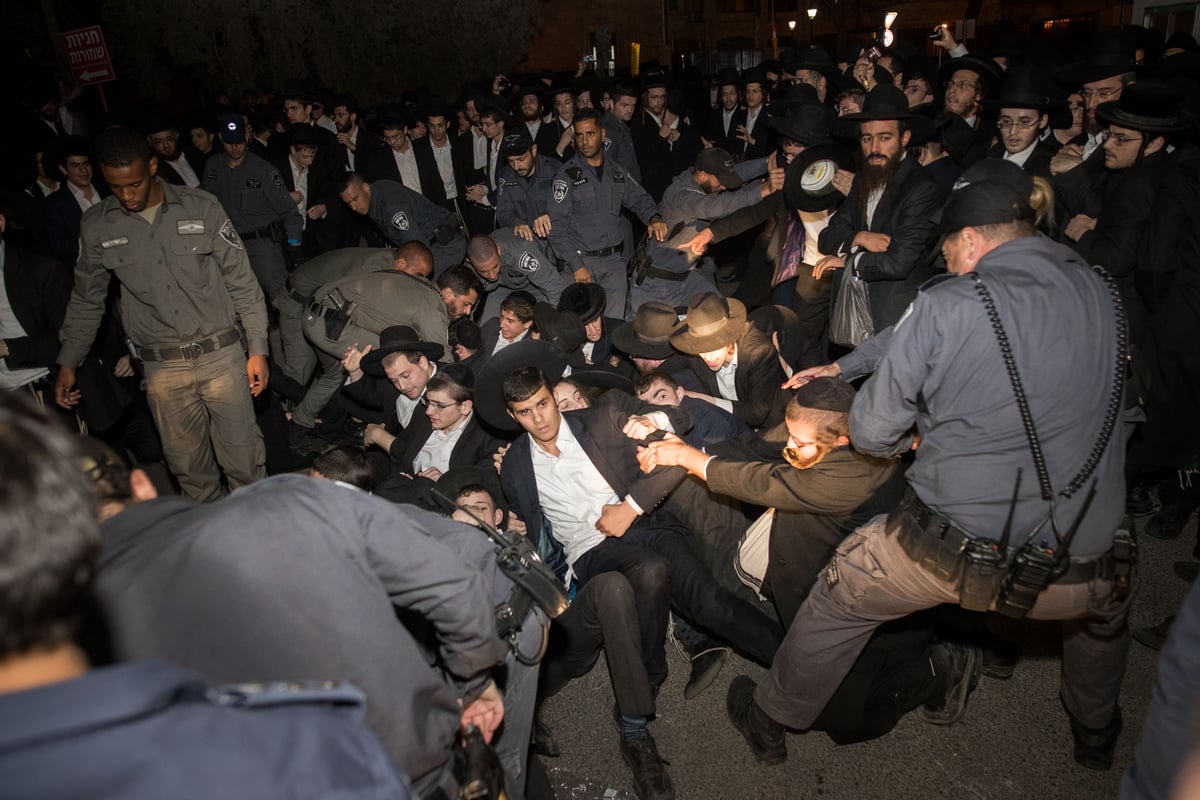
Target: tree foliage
{"x":372,"y":48}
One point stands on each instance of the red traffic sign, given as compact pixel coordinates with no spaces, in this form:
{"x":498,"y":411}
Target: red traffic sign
{"x":87,"y":55}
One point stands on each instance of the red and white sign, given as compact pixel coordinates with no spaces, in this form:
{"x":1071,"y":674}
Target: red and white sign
{"x":87,"y":55}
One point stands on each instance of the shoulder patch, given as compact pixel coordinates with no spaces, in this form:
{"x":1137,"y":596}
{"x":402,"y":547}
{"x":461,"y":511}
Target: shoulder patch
{"x":189,"y":227}
{"x":230,"y":235}
{"x":618,"y":177}
{"x":560,"y":191}
{"x":277,"y":179}
{"x":400,"y":220}
{"x":607,"y":142}
{"x":528,"y":262}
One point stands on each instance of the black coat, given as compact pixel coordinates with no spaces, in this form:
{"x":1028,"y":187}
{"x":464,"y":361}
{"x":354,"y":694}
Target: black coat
{"x":474,"y":448}
{"x":764,"y":139}
{"x":1038,"y":162}
{"x":367,"y":146}
{"x":383,"y":167}
{"x":38,"y":289}
{"x":757,"y":380}
{"x":905,"y":212}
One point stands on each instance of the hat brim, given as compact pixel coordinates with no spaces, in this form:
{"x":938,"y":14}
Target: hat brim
{"x":988,"y":71}
{"x":733,"y":329}
{"x":603,"y":379}
{"x":780,"y":126}
{"x":625,"y":339}
{"x":1161,"y":126}
{"x":1076,"y":75}
{"x":372,"y":362}
{"x":797,"y":197}
{"x":489,"y":388}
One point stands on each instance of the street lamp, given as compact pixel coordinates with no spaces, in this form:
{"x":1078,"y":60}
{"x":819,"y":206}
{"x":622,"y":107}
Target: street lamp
{"x":812,"y":15}
{"x":792,"y":25}
{"x":888,"y":36}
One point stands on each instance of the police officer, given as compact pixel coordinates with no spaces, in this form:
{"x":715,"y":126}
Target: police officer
{"x":254,"y":197}
{"x":73,"y":732}
{"x":1018,"y":475}
{"x":506,"y":262}
{"x":300,"y":358}
{"x":405,"y":216}
{"x":618,"y":139}
{"x":587,"y":196}
{"x":186,"y":284}
{"x":523,"y":187}
{"x":709,"y":191}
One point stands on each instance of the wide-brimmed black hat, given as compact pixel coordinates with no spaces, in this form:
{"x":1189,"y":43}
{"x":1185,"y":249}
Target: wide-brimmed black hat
{"x":989,"y":72}
{"x":729,"y":76}
{"x":585,"y":300}
{"x":713,"y":322}
{"x":816,"y":59}
{"x":398,"y":339}
{"x":1148,"y":106}
{"x":648,"y":335}
{"x":808,"y":182}
{"x":1025,"y":87}
{"x":772,"y":319}
{"x":884,"y":102}
{"x":792,"y":98}
{"x":809,"y":124}
{"x":602,"y":379}
{"x":563,"y":329}
{"x":1110,"y":53}
{"x":955,"y":135}
{"x":489,"y":394}
{"x":755,"y":75}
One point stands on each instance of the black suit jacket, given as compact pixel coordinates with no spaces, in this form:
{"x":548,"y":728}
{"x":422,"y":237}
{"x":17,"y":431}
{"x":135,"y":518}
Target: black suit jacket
{"x":335,"y":230}
{"x":367,"y":146}
{"x":383,"y":168}
{"x":757,"y":380}
{"x":714,"y":130}
{"x":764,"y":140}
{"x":1038,"y":162}
{"x":905,"y":212}
{"x":63,"y":216}
{"x":38,"y":289}
{"x":598,"y":430}
{"x":473,"y":448}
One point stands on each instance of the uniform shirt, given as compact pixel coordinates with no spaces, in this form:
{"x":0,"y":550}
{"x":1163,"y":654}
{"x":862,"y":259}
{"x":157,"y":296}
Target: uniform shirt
{"x":618,"y":145}
{"x":253,"y":195}
{"x":10,"y":328}
{"x":405,"y":215}
{"x":80,"y":197}
{"x":585,"y":208}
{"x":439,"y":446}
{"x":529,"y":266}
{"x":185,"y":171}
{"x":943,"y":372}
{"x":343,"y":262}
{"x":184,"y":278}
{"x":519,"y":201}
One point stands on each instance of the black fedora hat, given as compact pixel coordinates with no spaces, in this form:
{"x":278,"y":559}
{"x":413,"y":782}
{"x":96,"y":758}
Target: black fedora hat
{"x":648,"y":334}
{"x":1110,"y":53}
{"x":808,"y":183}
{"x":793,"y":97}
{"x":1025,"y":87}
{"x":489,"y":392}
{"x":1150,"y":107}
{"x":884,"y":102}
{"x":728,"y":76}
{"x":602,"y":379}
{"x":563,"y":329}
{"x":809,"y":124}
{"x":989,"y":71}
{"x":399,"y":339}
{"x":586,"y":300}
{"x":955,"y":135}
{"x":755,"y":75}
{"x":816,"y":59}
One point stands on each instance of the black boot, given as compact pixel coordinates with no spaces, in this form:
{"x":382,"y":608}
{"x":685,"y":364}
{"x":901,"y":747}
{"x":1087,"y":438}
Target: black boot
{"x":1154,"y":636}
{"x":1169,"y":522}
{"x":1141,"y":502}
{"x":764,"y":735}
{"x":959,"y":667}
{"x":650,"y":778}
{"x":1094,"y":747}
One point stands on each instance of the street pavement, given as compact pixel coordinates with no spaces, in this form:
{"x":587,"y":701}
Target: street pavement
{"x":1015,"y":741}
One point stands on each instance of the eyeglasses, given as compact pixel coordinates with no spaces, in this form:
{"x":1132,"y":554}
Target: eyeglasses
{"x":434,"y":404}
{"x":1004,"y":123}
{"x":962,"y":86}
{"x":399,"y":137}
{"x":1074,"y":107}
{"x":1099,"y":94}
{"x":1121,"y":139}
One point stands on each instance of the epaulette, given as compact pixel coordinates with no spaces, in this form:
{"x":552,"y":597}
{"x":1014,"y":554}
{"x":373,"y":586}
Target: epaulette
{"x":283,"y":693}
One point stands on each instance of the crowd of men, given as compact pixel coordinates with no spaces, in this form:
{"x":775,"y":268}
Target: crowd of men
{"x":777,"y":360}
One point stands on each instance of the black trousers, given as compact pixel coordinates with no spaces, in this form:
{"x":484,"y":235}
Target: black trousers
{"x":604,"y":614}
{"x":693,"y":590}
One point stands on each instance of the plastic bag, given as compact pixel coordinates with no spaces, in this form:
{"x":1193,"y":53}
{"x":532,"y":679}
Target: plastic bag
{"x":850,"y":322}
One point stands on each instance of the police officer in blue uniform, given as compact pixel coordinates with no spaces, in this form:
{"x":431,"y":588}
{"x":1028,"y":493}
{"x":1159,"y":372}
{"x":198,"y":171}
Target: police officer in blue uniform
{"x":403,"y":215}
{"x":253,"y":195}
{"x":587,"y":196}
{"x":140,"y":730}
{"x":505,"y":262}
{"x":523,"y":187}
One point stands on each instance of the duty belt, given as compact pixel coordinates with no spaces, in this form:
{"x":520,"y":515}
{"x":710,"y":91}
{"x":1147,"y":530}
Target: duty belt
{"x":190,"y":351}
{"x":929,"y":538}
{"x":666,"y":274}
{"x":302,"y":299}
{"x":265,"y":232}
{"x":607,"y":251}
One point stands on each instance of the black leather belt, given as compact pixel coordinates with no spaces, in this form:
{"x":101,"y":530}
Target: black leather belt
{"x":666,"y":274}
{"x":302,"y":299}
{"x":190,"y":351}
{"x":265,"y":232}
{"x":608,"y":251}
{"x":927,"y":536}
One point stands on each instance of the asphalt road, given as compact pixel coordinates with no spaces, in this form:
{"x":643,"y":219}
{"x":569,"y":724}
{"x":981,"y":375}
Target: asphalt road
{"x":1014,"y":742}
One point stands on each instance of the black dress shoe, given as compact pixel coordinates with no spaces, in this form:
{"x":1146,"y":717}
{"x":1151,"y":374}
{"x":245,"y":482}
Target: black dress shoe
{"x":1140,"y":502}
{"x":1154,"y":636}
{"x":706,"y":667}
{"x":1168,"y":523}
{"x":1187,"y":570}
{"x":1094,"y":747}
{"x":543,"y":740}
{"x":764,"y":735}
{"x":959,"y":666}
{"x":650,"y":778}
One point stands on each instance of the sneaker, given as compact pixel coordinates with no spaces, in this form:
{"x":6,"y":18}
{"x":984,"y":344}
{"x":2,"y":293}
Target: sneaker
{"x":764,"y":735}
{"x":1094,"y":747}
{"x":706,"y":666}
{"x":1154,"y":636}
{"x":650,"y":778}
{"x":959,"y":665}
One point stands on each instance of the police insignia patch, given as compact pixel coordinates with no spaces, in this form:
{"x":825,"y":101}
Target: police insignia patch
{"x":253,"y":183}
{"x":276,"y":179}
{"x":230,"y":235}
{"x":607,"y":142}
{"x":400,"y":220}
{"x":190,"y":227}
{"x":560,"y":191}
{"x":528,"y":263}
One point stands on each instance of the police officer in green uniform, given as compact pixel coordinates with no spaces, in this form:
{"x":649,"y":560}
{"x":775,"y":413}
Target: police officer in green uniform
{"x":186,"y":282}
{"x":254,"y":197}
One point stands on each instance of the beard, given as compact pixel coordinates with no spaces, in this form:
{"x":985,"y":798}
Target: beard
{"x":874,"y":177}
{"x":1092,"y":126}
{"x":793,"y":457}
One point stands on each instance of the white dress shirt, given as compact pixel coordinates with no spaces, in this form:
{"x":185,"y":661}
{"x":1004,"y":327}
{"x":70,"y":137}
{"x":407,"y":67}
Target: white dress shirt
{"x":84,"y":201}
{"x":444,"y":156}
{"x":406,"y":162}
{"x":439,"y":446}
{"x":727,"y":384}
{"x":181,"y":165}
{"x":1021,"y":157}
{"x":572,"y":492}
{"x":502,"y":343}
